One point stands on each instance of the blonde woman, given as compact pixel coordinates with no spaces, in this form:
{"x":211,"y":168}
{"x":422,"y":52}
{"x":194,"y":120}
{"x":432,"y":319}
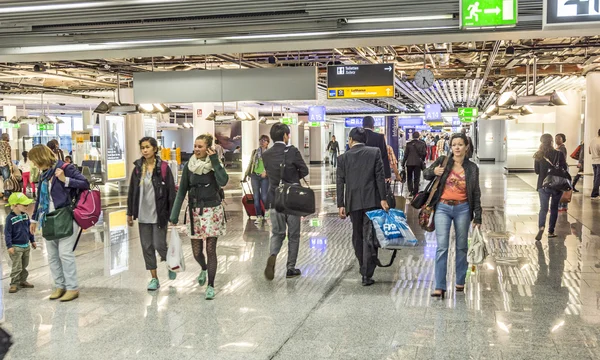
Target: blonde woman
{"x":150,"y":199}
{"x":59,"y":185}
{"x":202,"y":179}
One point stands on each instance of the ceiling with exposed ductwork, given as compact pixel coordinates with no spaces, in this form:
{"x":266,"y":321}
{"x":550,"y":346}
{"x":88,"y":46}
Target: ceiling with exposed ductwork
{"x":467,"y":74}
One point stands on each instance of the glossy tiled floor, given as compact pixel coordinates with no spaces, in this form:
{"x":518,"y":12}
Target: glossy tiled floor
{"x":528,"y":301}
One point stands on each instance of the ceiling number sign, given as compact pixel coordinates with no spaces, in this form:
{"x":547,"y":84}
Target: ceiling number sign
{"x":433,"y":112}
{"x":316,"y":114}
{"x":479,"y":14}
{"x":571,"y":13}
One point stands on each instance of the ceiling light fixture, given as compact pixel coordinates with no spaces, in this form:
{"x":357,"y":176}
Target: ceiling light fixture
{"x":80,"y":5}
{"x":508,"y":98}
{"x":558,"y":98}
{"x":327,"y":33}
{"x":526,"y":110}
{"x":491,"y":110}
{"x":399,"y":19}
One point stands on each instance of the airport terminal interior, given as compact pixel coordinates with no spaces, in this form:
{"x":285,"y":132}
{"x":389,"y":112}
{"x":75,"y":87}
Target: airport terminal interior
{"x":82,"y":82}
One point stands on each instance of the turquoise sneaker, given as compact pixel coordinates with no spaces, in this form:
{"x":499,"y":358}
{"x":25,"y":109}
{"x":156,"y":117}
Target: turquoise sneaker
{"x":153,"y":285}
{"x":172,"y":275}
{"x":202,"y":278}
{"x":210,"y":293}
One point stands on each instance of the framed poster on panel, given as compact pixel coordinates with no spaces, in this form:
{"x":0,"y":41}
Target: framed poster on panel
{"x":114,"y":149}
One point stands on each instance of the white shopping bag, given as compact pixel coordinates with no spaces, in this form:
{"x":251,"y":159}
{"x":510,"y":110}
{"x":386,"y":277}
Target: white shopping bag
{"x":175,"y":260}
{"x":478,"y":251}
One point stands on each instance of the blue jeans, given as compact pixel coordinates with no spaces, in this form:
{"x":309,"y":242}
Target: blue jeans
{"x":333,"y":156}
{"x":260,"y":188}
{"x":443,"y":218}
{"x":5,"y":175}
{"x":545,"y":196}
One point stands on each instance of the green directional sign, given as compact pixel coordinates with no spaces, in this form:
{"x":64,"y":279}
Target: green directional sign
{"x":315,"y":222}
{"x":466,"y":120}
{"x":8,"y":125}
{"x":44,"y":127}
{"x":468,"y":112}
{"x":289,"y":120}
{"x":315,"y":124}
{"x":476,"y":14}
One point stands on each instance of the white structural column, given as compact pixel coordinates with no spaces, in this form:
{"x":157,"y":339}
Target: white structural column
{"x":250,"y":135}
{"x":134,"y":131}
{"x":592,"y":115}
{"x":201,"y":125}
{"x":10,"y":112}
{"x":568,"y":122}
{"x":316,"y":145}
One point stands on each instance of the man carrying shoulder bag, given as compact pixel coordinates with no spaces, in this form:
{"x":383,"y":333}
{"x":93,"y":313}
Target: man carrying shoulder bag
{"x":294,"y":169}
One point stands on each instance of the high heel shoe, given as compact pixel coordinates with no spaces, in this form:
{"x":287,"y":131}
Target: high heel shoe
{"x":440,"y":294}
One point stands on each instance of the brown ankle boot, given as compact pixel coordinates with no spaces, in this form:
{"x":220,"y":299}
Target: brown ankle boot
{"x":70,"y":295}
{"x":57,"y":293}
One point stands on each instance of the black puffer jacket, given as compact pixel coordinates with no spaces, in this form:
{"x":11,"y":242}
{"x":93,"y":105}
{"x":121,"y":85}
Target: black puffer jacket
{"x":472,"y":178}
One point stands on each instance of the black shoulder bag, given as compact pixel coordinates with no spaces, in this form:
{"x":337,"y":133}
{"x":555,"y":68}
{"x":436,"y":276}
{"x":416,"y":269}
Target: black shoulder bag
{"x":293,"y":199}
{"x":557,"y":178}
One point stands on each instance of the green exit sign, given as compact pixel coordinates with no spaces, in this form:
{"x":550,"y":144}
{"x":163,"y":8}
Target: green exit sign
{"x":289,"y":120}
{"x":468,"y":112}
{"x":315,"y":124}
{"x":8,"y":125}
{"x":465,"y":120}
{"x":45,"y":127}
{"x":477,"y":14}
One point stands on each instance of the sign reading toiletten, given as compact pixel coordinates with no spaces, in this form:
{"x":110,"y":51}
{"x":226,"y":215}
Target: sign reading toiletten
{"x":360,"y":81}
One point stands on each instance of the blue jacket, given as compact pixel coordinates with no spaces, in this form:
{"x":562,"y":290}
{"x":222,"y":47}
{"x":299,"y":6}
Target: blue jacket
{"x":61,"y":194}
{"x":17,"y":233}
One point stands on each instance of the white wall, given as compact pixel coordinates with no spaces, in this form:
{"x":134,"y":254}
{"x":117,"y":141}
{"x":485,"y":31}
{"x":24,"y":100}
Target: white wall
{"x":523,"y":136}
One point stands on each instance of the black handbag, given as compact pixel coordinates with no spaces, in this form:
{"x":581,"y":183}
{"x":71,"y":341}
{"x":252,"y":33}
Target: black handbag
{"x":293,"y":199}
{"x":58,"y":224}
{"x":557,"y":179}
{"x":389,"y":195}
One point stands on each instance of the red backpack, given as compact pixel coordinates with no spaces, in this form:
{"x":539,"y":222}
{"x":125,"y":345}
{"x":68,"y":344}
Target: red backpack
{"x":88,"y":207}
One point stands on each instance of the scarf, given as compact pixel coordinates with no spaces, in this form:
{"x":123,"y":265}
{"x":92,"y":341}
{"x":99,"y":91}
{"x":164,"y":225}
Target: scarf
{"x":200,"y":166}
{"x":44,"y":196}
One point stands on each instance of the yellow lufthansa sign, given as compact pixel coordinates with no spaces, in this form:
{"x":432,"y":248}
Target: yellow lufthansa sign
{"x":116,"y":171}
{"x":360,"y":92}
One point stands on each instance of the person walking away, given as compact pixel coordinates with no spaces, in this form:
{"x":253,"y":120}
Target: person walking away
{"x":18,"y":240}
{"x":294,"y":168}
{"x":220,"y":151}
{"x":361,"y":188}
{"x":377,"y":140}
{"x":25,"y":167}
{"x":5,"y":161}
{"x":150,"y":201}
{"x":457,"y":201}
{"x":258,"y":177}
{"x":55,"y":147}
{"x":545,"y":158}
{"x":580,"y":167}
{"x":441,"y":146}
{"x":401,"y":145}
{"x":594,"y":151}
{"x":334,"y":149}
{"x":560,"y":146}
{"x":414,"y":158}
{"x":202,"y":179}
{"x":393,"y":162}
{"x":59,"y":185}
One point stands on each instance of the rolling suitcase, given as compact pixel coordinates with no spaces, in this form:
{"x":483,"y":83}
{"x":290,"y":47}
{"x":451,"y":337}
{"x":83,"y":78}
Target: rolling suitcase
{"x":248,"y":200}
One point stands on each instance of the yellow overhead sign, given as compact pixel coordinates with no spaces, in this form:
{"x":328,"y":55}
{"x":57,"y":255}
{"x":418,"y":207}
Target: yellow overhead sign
{"x":360,"y":92}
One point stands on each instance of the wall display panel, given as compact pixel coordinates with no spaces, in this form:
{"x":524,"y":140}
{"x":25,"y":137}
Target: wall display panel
{"x":114,"y":153}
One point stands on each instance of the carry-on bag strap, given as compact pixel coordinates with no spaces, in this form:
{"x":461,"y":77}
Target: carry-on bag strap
{"x":436,"y":183}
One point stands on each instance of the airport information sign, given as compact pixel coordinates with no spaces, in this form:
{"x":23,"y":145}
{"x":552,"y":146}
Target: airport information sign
{"x":476,"y":14}
{"x":571,"y":13}
{"x":360,"y":81}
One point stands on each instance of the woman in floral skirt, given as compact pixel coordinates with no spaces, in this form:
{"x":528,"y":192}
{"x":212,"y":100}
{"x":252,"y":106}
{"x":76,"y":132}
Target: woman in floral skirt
{"x":202,"y":179}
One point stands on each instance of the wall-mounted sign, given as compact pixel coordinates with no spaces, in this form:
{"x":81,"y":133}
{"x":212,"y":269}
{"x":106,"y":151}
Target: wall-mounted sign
{"x":571,"y":13}
{"x":361,"y":81}
{"x":80,"y":136}
{"x":115,"y":148}
{"x":456,"y":121}
{"x":358,"y":122}
{"x":45,"y":127}
{"x":477,"y":14}
{"x":433,"y":112}
{"x":402,"y":121}
{"x":316,"y":113}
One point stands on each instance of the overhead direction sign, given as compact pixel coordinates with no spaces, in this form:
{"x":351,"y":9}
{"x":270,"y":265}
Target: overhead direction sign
{"x":361,"y":81}
{"x":571,"y":13}
{"x":316,"y":113}
{"x":468,"y":112}
{"x":477,"y":14}
{"x":433,"y":112}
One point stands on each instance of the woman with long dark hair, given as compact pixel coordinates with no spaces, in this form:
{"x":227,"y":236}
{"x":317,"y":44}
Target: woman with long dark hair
{"x":545,"y":158}
{"x":458,"y":201}
{"x":150,"y":200}
{"x":202,"y":179}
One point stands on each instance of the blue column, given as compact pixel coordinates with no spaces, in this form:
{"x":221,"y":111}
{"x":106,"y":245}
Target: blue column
{"x":391,"y":131}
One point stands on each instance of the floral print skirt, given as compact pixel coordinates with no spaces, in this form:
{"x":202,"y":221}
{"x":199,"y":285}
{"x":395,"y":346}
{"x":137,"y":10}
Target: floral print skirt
{"x":209,"y":223}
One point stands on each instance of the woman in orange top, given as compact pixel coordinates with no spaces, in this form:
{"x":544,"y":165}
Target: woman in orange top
{"x":458,"y":200}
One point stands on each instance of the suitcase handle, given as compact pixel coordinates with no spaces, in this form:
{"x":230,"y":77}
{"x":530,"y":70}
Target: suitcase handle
{"x":244,"y":188}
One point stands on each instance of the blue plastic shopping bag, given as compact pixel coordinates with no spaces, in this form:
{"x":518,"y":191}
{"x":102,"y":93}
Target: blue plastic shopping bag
{"x":391,"y":229}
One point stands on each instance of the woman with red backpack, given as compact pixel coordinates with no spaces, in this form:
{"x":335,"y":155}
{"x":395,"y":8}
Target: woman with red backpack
{"x":150,"y":200}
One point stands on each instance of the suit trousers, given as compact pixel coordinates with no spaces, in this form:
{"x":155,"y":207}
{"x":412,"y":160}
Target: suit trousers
{"x":280,"y":224}
{"x":413,"y":178}
{"x":364,"y":250}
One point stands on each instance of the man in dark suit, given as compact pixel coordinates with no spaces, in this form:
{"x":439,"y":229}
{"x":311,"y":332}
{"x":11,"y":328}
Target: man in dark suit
{"x":414,"y":160}
{"x":377,"y":140}
{"x":295,"y":169}
{"x":361,"y":188}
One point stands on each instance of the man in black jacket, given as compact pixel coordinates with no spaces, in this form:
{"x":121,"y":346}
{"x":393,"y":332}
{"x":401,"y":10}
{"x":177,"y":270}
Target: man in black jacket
{"x":361,"y":188}
{"x":334,"y":149}
{"x":295,"y":169}
{"x":414,"y":161}
{"x":377,"y":140}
